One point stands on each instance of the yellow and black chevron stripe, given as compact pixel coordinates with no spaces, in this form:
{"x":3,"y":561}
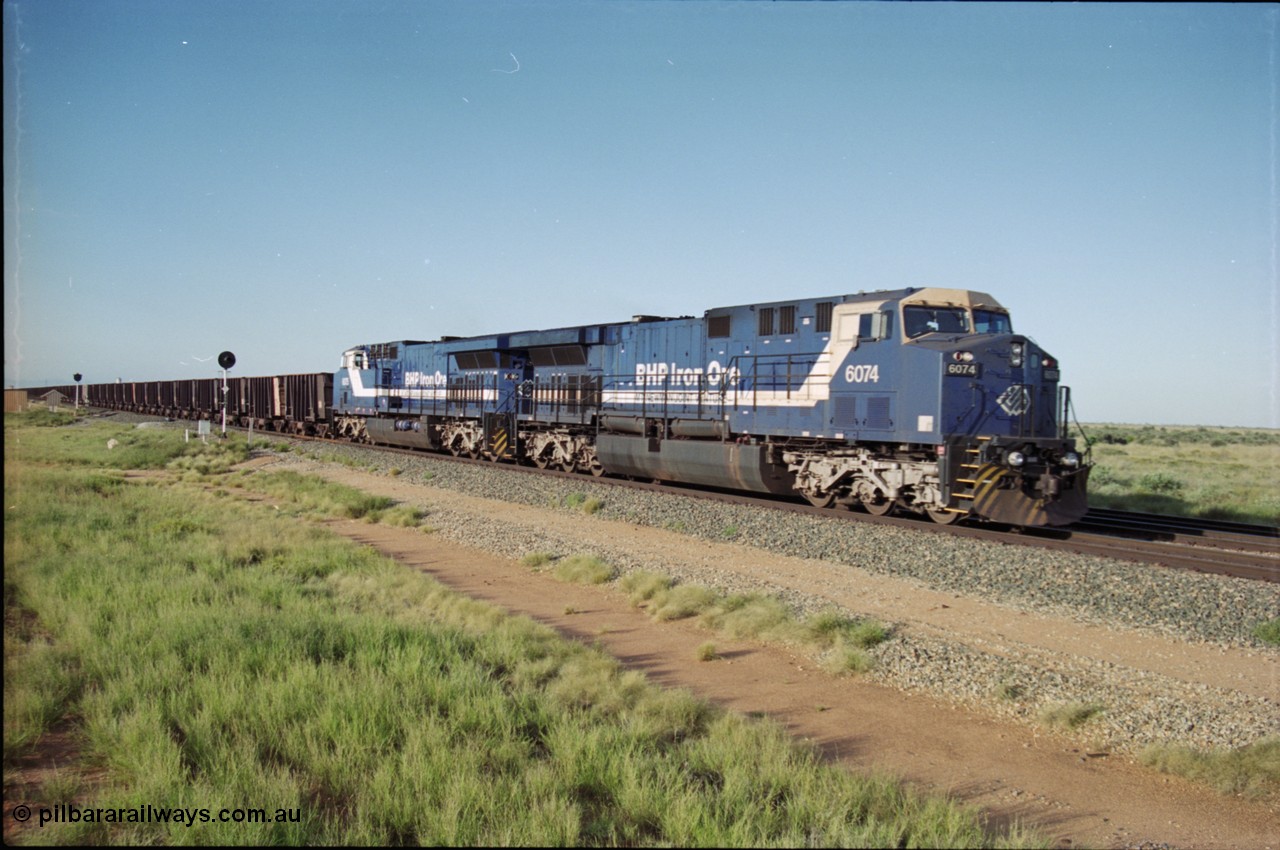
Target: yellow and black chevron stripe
{"x":995,"y":500}
{"x":500,"y":443}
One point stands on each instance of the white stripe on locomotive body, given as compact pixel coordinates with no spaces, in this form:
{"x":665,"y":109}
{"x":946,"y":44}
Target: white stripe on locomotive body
{"x":359,"y":390}
{"x":643,"y":395}
{"x":815,"y":389}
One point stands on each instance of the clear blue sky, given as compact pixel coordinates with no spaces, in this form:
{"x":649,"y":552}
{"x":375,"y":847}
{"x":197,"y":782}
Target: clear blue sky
{"x":287,"y":178}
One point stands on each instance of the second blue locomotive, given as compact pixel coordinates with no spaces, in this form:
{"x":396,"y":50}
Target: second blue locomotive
{"x":923,"y":400}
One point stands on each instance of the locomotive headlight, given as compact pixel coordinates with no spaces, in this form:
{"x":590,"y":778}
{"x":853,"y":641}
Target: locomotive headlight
{"x":1071,"y":460}
{"x":962,"y":356}
{"x":1016,"y":359}
{"x":1015,"y":458}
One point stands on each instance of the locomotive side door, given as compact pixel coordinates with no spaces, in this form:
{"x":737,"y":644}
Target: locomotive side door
{"x":515,"y":376}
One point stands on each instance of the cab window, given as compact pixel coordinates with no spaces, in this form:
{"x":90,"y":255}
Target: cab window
{"x":918,"y":321}
{"x":874,"y":326}
{"x":990,"y":322}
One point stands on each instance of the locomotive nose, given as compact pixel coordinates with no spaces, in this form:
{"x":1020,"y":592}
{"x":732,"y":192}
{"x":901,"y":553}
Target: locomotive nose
{"x":1001,"y":495}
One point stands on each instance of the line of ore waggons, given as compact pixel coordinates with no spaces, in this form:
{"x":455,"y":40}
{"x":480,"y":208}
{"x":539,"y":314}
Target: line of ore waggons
{"x":915,"y":400}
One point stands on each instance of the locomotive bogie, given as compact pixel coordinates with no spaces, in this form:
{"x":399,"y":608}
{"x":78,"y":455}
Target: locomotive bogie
{"x":867,"y":478}
{"x":463,"y":437}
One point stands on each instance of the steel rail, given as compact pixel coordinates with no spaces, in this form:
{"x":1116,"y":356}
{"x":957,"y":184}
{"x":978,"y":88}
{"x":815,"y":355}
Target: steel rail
{"x":1173,"y":553}
{"x":1102,"y":533}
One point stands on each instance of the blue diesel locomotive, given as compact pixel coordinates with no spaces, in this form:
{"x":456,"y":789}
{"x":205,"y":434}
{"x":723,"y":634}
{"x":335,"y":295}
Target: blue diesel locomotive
{"x":920,"y":400}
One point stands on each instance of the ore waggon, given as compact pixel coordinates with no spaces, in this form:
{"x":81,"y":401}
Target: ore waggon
{"x":296,"y":404}
{"x":915,"y":400}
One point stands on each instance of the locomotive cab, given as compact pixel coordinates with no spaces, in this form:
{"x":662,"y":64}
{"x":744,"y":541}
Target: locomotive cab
{"x":1005,"y":456}
{"x":947,"y":411}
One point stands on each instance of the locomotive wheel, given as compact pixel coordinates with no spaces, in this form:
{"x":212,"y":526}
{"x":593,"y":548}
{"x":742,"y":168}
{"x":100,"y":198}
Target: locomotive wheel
{"x":942,"y":517}
{"x":824,"y":500}
{"x":878,"y":508}
{"x":541,"y":461}
{"x":595,"y":469}
{"x":455,"y":449}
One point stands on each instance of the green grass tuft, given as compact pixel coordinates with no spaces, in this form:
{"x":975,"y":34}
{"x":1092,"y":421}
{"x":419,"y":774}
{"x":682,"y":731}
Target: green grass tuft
{"x":583,"y":569}
{"x":1009,"y":691}
{"x":39,"y":417}
{"x":308,"y":495}
{"x":829,"y":627}
{"x":643,"y":585}
{"x":681,"y":601}
{"x":842,"y":639}
{"x":534,"y":560}
{"x":848,"y":659}
{"x":1268,"y":632}
{"x":1069,"y":716}
{"x":1253,"y":771}
{"x":583,"y":502}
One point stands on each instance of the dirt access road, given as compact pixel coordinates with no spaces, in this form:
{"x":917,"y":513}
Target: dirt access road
{"x":1014,"y":772}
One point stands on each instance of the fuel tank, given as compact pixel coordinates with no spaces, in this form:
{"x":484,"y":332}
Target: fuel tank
{"x":707,"y":462}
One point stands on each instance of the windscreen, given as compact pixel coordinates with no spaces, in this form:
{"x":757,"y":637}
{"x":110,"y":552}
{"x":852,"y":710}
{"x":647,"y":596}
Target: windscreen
{"x":991,"y":322}
{"x":918,"y":321}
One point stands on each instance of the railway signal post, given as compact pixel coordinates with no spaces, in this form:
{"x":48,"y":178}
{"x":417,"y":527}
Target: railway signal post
{"x":226,"y":360}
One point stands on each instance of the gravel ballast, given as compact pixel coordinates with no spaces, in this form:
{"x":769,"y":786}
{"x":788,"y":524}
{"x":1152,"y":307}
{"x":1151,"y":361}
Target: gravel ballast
{"x":1136,"y":707}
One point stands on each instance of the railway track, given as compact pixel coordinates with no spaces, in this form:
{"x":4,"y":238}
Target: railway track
{"x":1232,"y":548}
{"x":1206,"y":546}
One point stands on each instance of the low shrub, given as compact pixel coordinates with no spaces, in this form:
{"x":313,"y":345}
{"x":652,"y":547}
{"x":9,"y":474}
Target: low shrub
{"x":1159,"y":482}
{"x":1253,"y":770}
{"x":583,"y":569}
{"x":583,"y":502}
{"x":1070,"y":715}
{"x":681,"y":601}
{"x":534,"y":560}
{"x":643,"y":585}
